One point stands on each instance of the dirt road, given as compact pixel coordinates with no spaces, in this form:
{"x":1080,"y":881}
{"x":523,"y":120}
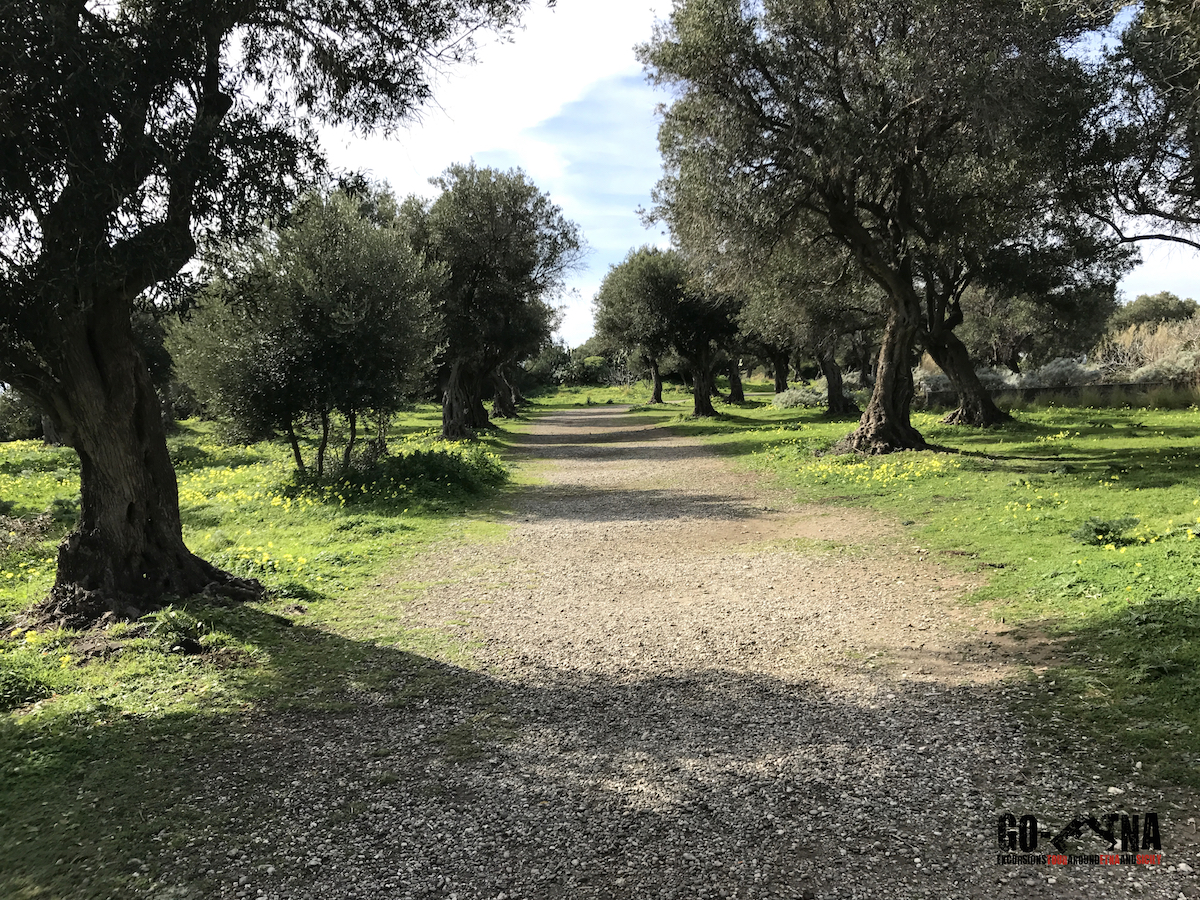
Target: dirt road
{"x":689,"y":686}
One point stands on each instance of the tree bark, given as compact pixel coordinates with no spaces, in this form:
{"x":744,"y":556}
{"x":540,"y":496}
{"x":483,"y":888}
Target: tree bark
{"x":885,"y":425}
{"x":479,"y":415}
{"x":456,"y":404}
{"x":295,"y":444}
{"x":127,"y":555}
{"x":50,"y":433}
{"x":656,"y":381}
{"x":737,"y":393}
{"x":702,"y":391}
{"x":504,"y":403}
{"x":975,"y":406}
{"x":838,"y":404}
{"x":352,"y":416}
{"x":779,"y":365}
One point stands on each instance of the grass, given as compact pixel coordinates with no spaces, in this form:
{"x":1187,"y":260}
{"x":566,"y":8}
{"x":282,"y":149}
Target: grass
{"x":99,"y":731}
{"x":1084,"y":522}
{"x":638,"y":394}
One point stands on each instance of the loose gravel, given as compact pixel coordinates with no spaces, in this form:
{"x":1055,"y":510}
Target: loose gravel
{"x":687,"y":686}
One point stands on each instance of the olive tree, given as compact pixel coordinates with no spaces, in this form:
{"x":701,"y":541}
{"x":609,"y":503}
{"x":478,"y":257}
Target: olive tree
{"x":652,"y":300}
{"x":333,"y":313}
{"x":506,"y":249}
{"x":922,"y":135}
{"x":130,"y":131}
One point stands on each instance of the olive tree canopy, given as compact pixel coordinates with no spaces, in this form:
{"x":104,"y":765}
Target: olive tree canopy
{"x":923,"y":135}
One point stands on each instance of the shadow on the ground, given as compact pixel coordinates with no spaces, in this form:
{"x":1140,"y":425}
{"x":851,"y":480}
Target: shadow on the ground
{"x":354,"y":763}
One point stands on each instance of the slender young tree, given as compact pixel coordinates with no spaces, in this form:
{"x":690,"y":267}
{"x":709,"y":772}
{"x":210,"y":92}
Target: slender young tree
{"x":128,"y":132}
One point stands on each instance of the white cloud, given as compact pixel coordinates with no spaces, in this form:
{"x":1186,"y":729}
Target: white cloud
{"x":1165,"y":267}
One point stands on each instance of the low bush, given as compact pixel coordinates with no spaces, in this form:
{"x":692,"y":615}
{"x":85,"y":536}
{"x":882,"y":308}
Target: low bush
{"x":799,"y":398}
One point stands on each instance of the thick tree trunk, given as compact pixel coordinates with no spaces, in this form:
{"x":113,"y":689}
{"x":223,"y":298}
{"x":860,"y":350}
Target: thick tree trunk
{"x":504,"y":403}
{"x":737,"y":393}
{"x":885,"y":425}
{"x":479,"y":415}
{"x":702,"y":391}
{"x":779,"y":365}
{"x":456,"y":404}
{"x":975,"y":406}
{"x":127,"y":555}
{"x":656,"y":382}
{"x":50,"y":432}
{"x":519,"y":400}
{"x":838,"y":404}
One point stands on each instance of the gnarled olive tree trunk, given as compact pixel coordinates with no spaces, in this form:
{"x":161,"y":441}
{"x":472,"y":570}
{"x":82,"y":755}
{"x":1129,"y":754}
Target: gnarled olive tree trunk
{"x":779,"y":365}
{"x":127,"y":554}
{"x":504,"y":402}
{"x":457,"y":403}
{"x":885,"y":425}
{"x":737,"y":393}
{"x":463,"y":412}
{"x":837,"y":403}
{"x":975,"y":406}
{"x":703,"y":385}
{"x":656,"y":381}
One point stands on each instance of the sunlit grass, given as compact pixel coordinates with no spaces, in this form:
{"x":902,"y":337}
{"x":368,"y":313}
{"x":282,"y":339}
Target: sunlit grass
{"x":1016,"y":504}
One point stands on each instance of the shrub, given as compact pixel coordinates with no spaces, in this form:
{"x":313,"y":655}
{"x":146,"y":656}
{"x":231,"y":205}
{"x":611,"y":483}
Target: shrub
{"x":1136,"y":352}
{"x":19,"y":420}
{"x":1104,"y":531}
{"x":1181,"y":368}
{"x":806,"y":397}
{"x":1063,"y":371}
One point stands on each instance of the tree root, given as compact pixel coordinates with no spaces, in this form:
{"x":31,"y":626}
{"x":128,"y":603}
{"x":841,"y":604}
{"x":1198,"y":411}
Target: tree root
{"x":75,"y":608}
{"x":977,"y":418}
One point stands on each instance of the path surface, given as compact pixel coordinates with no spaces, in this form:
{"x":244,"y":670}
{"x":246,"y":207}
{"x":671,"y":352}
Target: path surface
{"x":688,"y":688}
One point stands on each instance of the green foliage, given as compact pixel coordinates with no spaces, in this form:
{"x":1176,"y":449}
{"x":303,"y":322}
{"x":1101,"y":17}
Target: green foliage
{"x":176,"y":630}
{"x":1153,"y":309}
{"x":1030,"y":330}
{"x":334,"y":314}
{"x":816,"y":123}
{"x":1104,"y":531}
{"x":19,"y":419}
{"x":652,"y":302}
{"x":505,"y":248}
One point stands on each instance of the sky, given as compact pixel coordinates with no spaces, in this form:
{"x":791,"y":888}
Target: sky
{"x":567,"y":101}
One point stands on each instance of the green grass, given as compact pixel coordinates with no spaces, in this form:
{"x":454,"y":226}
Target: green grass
{"x":100,"y":728}
{"x":1083,"y":522}
{"x":564,"y":397}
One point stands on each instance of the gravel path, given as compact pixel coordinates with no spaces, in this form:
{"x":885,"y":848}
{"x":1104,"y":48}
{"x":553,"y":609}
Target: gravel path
{"x":687,"y":687}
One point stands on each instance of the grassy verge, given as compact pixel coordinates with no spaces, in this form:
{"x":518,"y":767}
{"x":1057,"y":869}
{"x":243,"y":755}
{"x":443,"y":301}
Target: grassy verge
{"x":637,"y":394}
{"x":1083,"y":521}
{"x":100,"y":731}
